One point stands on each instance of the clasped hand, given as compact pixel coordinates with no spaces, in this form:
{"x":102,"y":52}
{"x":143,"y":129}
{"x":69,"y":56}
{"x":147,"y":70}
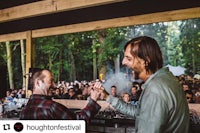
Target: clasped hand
{"x":100,"y":89}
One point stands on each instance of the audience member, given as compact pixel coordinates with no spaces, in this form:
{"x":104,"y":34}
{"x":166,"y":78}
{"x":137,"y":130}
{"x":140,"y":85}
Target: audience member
{"x":72,"y":94}
{"x":135,"y":93}
{"x":126,"y":97}
{"x":113,"y":91}
{"x":9,"y":96}
{"x":189,"y":96}
{"x":57,"y":94}
{"x":65,"y":94}
{"x":185,"y":86}
{"x":197,"y":94}
{"x":85,"y":92}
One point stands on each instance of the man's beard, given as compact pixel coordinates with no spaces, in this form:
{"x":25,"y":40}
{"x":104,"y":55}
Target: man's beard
{"x":136,"y":75}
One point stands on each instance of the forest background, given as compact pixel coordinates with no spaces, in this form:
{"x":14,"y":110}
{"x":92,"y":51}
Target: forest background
{"x":95,"y":54}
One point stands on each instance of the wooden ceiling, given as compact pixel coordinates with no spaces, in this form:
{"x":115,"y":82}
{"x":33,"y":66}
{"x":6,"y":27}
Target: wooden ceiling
{"x":53,"y":17}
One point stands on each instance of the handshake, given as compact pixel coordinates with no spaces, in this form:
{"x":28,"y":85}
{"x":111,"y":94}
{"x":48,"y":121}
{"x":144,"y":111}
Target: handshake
{"x":99,"y":92}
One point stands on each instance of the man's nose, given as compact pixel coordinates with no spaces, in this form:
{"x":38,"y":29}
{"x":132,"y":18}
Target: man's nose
{"x":53,"y":85}
{"x":123,"y":61}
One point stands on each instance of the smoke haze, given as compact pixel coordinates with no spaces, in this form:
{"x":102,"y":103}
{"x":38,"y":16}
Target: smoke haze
{"x":120,"y":80}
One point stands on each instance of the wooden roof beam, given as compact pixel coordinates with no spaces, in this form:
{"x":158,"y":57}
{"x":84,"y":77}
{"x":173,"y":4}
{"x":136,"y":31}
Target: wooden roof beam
{"x":48,"y":7}
{"x":120,"y":22}
{"x":110,"y":23}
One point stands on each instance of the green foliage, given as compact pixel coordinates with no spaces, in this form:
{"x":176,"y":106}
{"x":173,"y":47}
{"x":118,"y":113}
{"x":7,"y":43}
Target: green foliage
{"x":70,"y":56}
{"x":47,"y":47}
{"x":16,"y":62}
{"x":63,"y":51}
{"x":112,"y":45}
{"x":3,"y":54}
{"x":190,"y":38}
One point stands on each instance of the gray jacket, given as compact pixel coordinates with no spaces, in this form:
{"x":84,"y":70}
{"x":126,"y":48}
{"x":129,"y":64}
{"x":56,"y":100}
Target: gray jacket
{"x":162,"y":107}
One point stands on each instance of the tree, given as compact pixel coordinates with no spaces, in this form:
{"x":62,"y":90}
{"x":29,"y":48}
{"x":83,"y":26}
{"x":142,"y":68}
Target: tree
{"x":47,"y":52}
{"x":190,"y":39}
{"x":9,"y":65}
{"x":111,"y":42}
{"x":23,"y":63}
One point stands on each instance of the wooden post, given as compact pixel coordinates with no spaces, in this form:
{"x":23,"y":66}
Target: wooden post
{"x":28,"y":56}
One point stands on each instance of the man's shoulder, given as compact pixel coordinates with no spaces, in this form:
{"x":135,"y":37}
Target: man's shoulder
{"x":57,"y":105}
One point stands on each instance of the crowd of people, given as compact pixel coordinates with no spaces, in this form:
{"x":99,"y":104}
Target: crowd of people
{"x":80,"y":90}
{"x":191,"y":87}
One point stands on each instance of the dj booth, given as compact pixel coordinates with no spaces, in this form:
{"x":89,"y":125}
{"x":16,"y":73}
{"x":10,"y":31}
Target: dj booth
{"x":110,"y":121}
{"x":107,"y":120}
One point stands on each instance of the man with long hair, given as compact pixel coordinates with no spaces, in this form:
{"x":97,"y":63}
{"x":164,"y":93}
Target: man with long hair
{"x":162,"y":106}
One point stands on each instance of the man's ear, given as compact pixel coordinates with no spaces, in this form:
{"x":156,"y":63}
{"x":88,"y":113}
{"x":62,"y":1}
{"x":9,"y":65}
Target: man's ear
{"x":37,"y":82}
{"x":147,"y":62}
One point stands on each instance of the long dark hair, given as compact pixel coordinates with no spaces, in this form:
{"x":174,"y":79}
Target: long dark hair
{"x":147,"y":49}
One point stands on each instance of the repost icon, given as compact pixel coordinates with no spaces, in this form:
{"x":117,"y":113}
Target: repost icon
{"x":6,"y":126}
